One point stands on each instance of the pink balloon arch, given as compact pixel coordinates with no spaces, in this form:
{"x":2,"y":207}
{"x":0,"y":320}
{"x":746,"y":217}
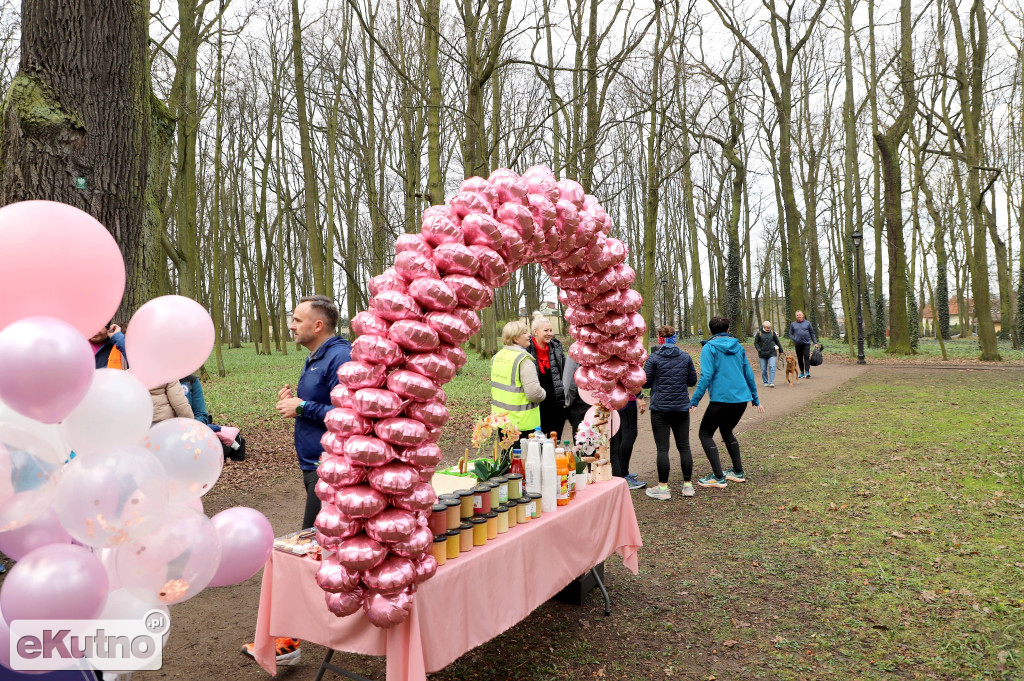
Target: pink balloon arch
{"x":380,"y":448}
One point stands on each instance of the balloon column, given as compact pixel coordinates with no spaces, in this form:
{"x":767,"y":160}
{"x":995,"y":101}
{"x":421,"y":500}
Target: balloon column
{"x":380,"y":449}
{"x":79,"y":461}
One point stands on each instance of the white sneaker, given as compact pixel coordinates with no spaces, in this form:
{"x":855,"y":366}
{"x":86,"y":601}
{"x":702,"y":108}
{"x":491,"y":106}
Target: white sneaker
{"x":687,"y":489}
{"x":659,"y":493}
{"x":771,"y":385}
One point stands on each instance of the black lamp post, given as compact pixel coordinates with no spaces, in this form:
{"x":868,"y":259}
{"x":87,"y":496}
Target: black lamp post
{"x":857,"y":238}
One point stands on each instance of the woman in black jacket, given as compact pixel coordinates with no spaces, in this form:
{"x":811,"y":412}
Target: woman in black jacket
{"x":550,"y":366}
{"x":669,"y":372}
{"x":767,"y":341}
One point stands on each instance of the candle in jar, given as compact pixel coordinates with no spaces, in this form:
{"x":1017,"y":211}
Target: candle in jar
{"x":438,"y":521}
{"x":502,"y":490}
{"x":440,"y":548}
{"x":523,"y":513}
{"x":453,"y":543}
{"x":454,"y":506}
{"x":535,"y":505}
{"x":502,"y":519}
{"x":481,"y":499}
{"x":515,"y":486}
{"x":492,"y":525}
{"x":466,"y":537}
{"x":512,"y":516}
{"x":466,"y":497}
{"x":479,"y":530}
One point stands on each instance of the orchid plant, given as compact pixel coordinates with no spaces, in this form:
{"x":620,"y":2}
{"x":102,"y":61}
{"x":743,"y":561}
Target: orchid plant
{"x":498,"y":430}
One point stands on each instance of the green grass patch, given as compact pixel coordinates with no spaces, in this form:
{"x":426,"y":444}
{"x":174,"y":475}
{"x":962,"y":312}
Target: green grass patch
{"x":957,"y":350}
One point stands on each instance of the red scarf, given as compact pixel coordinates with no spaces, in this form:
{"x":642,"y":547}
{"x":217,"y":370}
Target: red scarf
{"x":543,"y":356}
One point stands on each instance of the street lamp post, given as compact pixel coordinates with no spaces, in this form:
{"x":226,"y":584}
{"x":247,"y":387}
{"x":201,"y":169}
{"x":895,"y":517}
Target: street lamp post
{"x":664,"y":301}
{"x":857,"y":238}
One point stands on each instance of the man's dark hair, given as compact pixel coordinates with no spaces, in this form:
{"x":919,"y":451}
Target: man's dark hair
{"x":324,"y":307}
{"x":719,"y":324}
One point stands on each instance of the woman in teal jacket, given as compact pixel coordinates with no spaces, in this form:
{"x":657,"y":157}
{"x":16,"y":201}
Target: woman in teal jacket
{"x":725,"y":374}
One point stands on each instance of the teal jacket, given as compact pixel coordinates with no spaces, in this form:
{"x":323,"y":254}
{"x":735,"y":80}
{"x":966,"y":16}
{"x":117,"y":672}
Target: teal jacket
{"x":725,"y":372}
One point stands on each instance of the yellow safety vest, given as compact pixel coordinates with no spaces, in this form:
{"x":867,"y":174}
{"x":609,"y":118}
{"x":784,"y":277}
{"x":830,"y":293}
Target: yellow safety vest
{"x":507,"y":393}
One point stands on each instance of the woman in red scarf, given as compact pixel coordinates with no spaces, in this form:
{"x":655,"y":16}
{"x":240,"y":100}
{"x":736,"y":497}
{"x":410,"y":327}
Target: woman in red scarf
{"x":550,"y":364}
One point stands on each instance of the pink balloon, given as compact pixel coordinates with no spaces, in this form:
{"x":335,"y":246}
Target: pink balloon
{"x":46,"y":367}
{"x":586,"y":354}
{"x":324,"y":491}
{"x":360,"y":553}
{"x":481,"y":229}
{"x":413,"y":242}
{"x":434,"y":365}
{"x":456,"y":258}
{"x":339,"y":471}
{"x":433,"y":414}
{"x":455,"y":354}
{"x":433,"y":294}
{"x":332,"y":443}
{"x":392,"y":478}
{"x":582,"y":316}
{"x":590,"y":396}
{"x":426,"y":567}
{"x":343,"y":397}
{"x":637,"y":323}
{"x":450,"y":327}
{"x":412,"y":386}
{"x":480,"y":186}
{"x":55,"y":582}
{"x":167,"y":338}
{"x":347,"y":422}
{"x":629,"y":301}
{"x":359,"y":501}
{"x":246,"y":540}
{"x":439,"y":227}
{"x":415,"y":544}
{"x":613,"y":323}
{"x":402,"y":432}
{"x":466,"y":203}
{"x":514,"y":250}
{"x":391,"y":525}
{"x":58,"y":261}
{"x":607,"y":302}
{"x":616,"y":420}
{"x":345,"y":603}
{"x":633,"y":379}
{"x":387,"y":610}
{"x":414,"y":335}
{"x":590,"y":334}
{"x":617,"y":398}
{"x":421,"y":498}
{"x":412,"y":265}
{"x":389,"y":280}
{"x":196,"y":504}
{"x":333,"y":577}
{"x":355,"y":375}
{"x":507,"y":185}
{"x":614,"y":368}
{"x":395,"y":305}
{"x":390,"y":576}
{"x":377,"y":403}
{"x":368,"y":451}
{"x":592,"y":379}
{"x":470,"y":317}
{"x":470,"y":291}
{"x":332,"y":522}
{"x":368,"y":323}
{"x":374,"y":349}
{"x":423,"y":456}
{"x":41,"y":531}
{"x":493,"y":270}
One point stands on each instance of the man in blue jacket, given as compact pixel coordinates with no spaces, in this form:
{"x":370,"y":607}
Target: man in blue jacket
{"x":801,"y":332}
{"x":725,"y":374}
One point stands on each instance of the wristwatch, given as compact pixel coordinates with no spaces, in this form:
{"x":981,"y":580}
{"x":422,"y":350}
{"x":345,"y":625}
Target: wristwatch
{"x":298,"y":409}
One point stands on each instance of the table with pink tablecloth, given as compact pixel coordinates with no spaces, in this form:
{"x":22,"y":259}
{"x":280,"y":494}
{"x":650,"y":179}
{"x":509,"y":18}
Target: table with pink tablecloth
{"x":469,"y":601}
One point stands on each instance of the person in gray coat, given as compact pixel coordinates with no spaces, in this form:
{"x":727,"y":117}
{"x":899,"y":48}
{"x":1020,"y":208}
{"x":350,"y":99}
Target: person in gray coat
{"x":766,"y":341}
{"x":802,"y":334}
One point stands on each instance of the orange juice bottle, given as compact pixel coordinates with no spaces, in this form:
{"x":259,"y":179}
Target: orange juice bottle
{"x":562,"y":466}
{"x":570,"y":460}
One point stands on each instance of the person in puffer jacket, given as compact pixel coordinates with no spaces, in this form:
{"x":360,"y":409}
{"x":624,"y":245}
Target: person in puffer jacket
{"x":669,"y":372}
{"x":725,"y":374}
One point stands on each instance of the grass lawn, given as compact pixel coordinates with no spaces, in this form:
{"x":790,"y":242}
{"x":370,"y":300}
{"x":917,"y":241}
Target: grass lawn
{"x":957,"y":349}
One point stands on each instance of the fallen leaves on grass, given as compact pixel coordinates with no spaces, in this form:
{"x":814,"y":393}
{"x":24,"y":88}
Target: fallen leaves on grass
{"x":928,"y":596}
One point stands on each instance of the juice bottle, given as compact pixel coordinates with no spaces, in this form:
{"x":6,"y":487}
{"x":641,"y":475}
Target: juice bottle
{"x":517,"y":465}
{"x":562,"y":464}
{"x":570,"y":459}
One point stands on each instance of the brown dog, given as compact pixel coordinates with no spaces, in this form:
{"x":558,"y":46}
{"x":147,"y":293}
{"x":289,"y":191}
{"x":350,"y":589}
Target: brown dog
{"x":791,"y":369}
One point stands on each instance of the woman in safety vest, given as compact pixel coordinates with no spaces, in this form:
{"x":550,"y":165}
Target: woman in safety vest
{"x":515,"y":388}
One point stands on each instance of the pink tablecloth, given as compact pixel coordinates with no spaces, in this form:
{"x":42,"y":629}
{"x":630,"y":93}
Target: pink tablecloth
{"x":469,"y":601}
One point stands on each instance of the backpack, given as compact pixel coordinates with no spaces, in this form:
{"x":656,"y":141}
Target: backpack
{"x":816,"y":358}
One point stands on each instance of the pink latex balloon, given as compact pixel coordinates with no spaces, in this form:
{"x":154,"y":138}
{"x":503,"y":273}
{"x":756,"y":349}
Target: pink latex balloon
{"x":633,"y":379}
{"x":392,"y":478}
{"x":434,"y":365}
{"x":440,"y":228}
{"x":389,"y":280}
{"x":347,"y":422}
{"x":43,"y":530}
{"x":470,"y":291}
{"x":55,"y":582}
{"x":345,"y":603}
{"x":368,"y":451}
{"x":421,"y":498}
{"x":450,"y":328}
{"x":360,"y":553}
{"x":387,"y":610}
{"x":368,"y":323}
{"x":246,"y":540}
{"x":412,"y":265}
{"x":390,"y":576}
{"x":332,"y":522}
{"x":414,"y":335}
{"x":480,"y":186}
{"x":333,"y":577}
{"x":374,"y":349}
{"x":359,"y":501}
{"x":58,"y":261}
{"x":46,"y":367}
{"x":433,"y":414}
{"x":493,"y":269}
{"x":433,"y":294}
{"x":355,"y":375}
{"x":412,"y":386}
{"x":167,"y":338}
{"x":426,"y":567}
{"x":391,"y":525}
{"x":423,"y":456}
{"x":394,"y":305}
{"x":340,"y":471}
{"x":590,"y":396}
{"x":402,"y":432}
{"x":616,"y":420}
{"x":377,"y":403}
{"x":456,"y":258}
{"x":415,"y":544}
{"x":412,"y":242}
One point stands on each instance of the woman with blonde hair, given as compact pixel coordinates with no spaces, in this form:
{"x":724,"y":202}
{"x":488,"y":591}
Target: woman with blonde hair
{"x":515,"y":389}
{"x":547,"y":350}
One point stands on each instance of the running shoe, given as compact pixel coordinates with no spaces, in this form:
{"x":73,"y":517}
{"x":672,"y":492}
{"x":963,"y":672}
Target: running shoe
{"x":734,"y":476}
{"x":712,"y":481}
{"x":288,"y":651}
{"x":771,"y":385}
{"x":660,"y":493}
{"x":687,"y":489}
{"x":633,"y":482}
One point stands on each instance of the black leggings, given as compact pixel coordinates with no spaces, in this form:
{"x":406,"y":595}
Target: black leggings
{"x":722,"y":416}
{"x":623,"y":441}
{"x":803,"y":357}
{"x":678,"y":424}
{"x":309,"y":479}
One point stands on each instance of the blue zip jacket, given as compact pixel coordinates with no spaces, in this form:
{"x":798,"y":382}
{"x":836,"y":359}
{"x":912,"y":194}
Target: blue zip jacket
{"x":669,"y":371}
{"x":725,"y":372}
{"x":802,"y":332}
{"x":319,"y":376}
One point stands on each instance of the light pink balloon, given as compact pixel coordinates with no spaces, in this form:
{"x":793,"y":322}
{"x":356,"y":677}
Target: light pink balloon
{"x":402,"y":432}
{"x":629,"y":301}
{"x":470,"y":317}
{"x":582,"y":316}
{"x":616,"y":420}
{"x":46,"y":367}
{"x":333,"y":577}
{"x":614,"y":368}
{"x":415,"y":544}
{"x":324,"y":491}
{"x":470,"y":291}
{"x":391,"y":525}
{"x":590,"y":334}
{"x":395,"y":305}
{"x":433,"y":294}
{"x":360,"y":552}
{"x":412,"y":386}
{"x":368,"y":323}
{"x":59,"y":581}
{"x":377,"y":403}
{"x":388,"y":280}
{"x":613,"y":324}
{"x":493,"y":270}
{"x":440,"y":228}
{"x":40,"y":531}
{"x":392,"y":478}
{"x":347,"y":422}
{"x":390,"y":576}
{"x":167,"y":338}
{"x":58,"y":261}
{"x":456,"y":258}
{"x":414,"y":335}
{"x":450,"y":328}
{"x":467,"y":203}
{"x":368,"y":451}
{"x":413,"y":242}
{"x":345,"y":603}
{"x":421,"y":498}
{"x":433,"y":414}
{"x":340,"y":471}
{"x":480,"y":186}
{"x":412,"y":265}
{"x":359,"y":501}
{"x":455,"y":354}
{"x":617,"y":398}
{"x":590,"y":396}
{"x":355,"y":375}
{"x":387,"y":610}
{"x":246,"y":540}
{"x":332,"y":444}
{"x":481,"y":229}
{"x":633,"y":379}
{"x":426,"y":567}
{"x":332,"y":522}
{"x":434,"y":365}
{"x":342,"y":397}
{"x":374,"y":349}
{"x":514,"y":250}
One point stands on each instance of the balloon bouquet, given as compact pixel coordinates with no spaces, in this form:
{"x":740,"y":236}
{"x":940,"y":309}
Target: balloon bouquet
{"x":100,"y":510}
{"x":380,"y":449}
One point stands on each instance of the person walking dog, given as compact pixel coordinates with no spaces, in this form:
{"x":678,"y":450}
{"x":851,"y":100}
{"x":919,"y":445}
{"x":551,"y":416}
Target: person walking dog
{"x":802,"y":334}
{"x":768,"y":348}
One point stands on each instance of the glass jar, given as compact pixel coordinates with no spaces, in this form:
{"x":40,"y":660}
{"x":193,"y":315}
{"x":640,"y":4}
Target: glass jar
{"x":479,"y":530}
{"x":454,"y":506}
{"x":466,"y":497}
{"x":438,"y":521}
{"x":515,"y":486}
{"x":481,"y":499}
{"x":453,"y":543}
{"x":466,"y":536}
{"x":495,"y":493}
{"x":512,"y":517}
{"x":502,"y":490}
{"x":492,"y":525}
{"x":523,"y":513}
{"x":440,"y":548}
{"x":535,"y":505}
{"x":502,"y":519}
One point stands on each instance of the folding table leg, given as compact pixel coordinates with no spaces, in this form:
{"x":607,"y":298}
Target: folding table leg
{"x":604,"y":592}
{"x":326,"y":665}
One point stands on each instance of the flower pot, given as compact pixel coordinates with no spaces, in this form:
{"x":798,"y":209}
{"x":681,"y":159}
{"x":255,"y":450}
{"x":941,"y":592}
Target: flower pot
{"x":581,"y":480}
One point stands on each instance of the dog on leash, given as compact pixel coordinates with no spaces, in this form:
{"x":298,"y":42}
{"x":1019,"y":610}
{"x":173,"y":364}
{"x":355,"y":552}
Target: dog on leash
{"x":791,"y":375}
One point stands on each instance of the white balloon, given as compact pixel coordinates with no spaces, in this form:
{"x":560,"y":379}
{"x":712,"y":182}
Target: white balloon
{"x":29,"y":469}
{"x":116,"y":411}
{"x":191,"y":454}
{"x":122,"y":605}
{"x":50,"y":432}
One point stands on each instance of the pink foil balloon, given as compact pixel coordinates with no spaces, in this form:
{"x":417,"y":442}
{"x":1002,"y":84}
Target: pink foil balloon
{"x":633,"y":379}
{"x":58,"y":261}
{"x":367,"y":322}
{"x":412,"y":386}
{"x":355,"y":375}
{"x":413,"y":242}
{"x":514,"y":250}
{"x":374,"y":349}
{"x":324,"y":491}
{"x":470,"y":291}
{"x":426,"y":567}
{"x":433,"y":294}
{"x":46,"y":367}
{"x":390,"y":576}
{"x":440,"y":228}
{"x":392,"y":478}
{"x":433,"y":414}
{"x":470,"y":317}
{"x":636,"y":323}
{"x":415,"y":544}
{"x":414,"y":335}
{"x":332,"y":444}
{"x":347,"y":422}
{"x":389,"y":280}
{"x":423,"y":456}
{"x":617,"y":398}
{"x":386,"y":610}
{"x":329,"y":543}
{"x":59,"y":581}
{"x":595,"y":380}
{"x":333,"y":577}
{"x":480,"y":186}
{"x":402,"y":432}
{"x":456,"y":258}
{"x":590,"y":334}
{"x":412,"y":265}
{"x":391,"y":525}
{"x":377,"y":403}
{"x":394,"y":305}
{"x":332,"y":522}
{"x":368,"y":451}
{"x":167,"y":338}
{"x":360,"y":553}
{"x":455,"y":354}
{"x":246,"y":540}
{"x":343,"y":397}
{"x":340,"y":471}
{"x":467,"y":203}
{"x":613,"y":323}
{"x":581,"y":316}
{"x":359,"y":501}
{"x":493,"y":270}
{"x":629,"y":301}
{"x":614,"y":368}
{"x":346,"y":603}
{"x":482,"y":230}
{"x":449,"y":327}
{"x":434,"y":365}
{"x":421,"y":498}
